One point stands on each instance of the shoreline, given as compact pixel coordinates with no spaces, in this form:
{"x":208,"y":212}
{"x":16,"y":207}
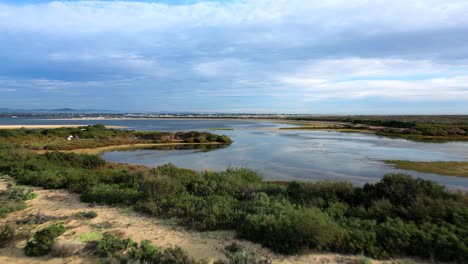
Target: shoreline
{"x":47,"y":126}
{"x":444,"y":168}
{"x":99,"y":150}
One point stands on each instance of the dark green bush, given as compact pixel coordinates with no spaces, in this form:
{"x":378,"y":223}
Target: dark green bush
{"x":145,"y":252}
{"x":110,"y":245}
{"x":7,"y":233}
{"x":41,"y":243}
{"x":111,"y":194}
{"x":86,"y":215}
{"x":278,"y":225}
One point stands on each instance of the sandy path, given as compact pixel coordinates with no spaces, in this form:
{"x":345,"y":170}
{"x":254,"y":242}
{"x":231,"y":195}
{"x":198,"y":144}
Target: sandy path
{"x":47,"y":126}
{"x":208,"y":245}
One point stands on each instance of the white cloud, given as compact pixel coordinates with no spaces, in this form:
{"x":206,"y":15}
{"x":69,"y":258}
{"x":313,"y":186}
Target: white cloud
{"x":288,"y":49}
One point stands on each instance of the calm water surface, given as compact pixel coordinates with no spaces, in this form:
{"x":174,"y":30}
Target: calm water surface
{"x":285,"y":155}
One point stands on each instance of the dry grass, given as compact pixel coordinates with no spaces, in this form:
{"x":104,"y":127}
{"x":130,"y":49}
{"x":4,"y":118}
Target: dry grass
{"x":66,"y":248}
{"x":450,"y":168}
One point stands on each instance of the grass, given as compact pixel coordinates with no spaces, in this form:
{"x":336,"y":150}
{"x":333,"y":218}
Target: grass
{"x":450,"y":168}
{"x":364,"y":260}
{"x":220,"y":233}
{"x":88,"y":237}
{"x":170,"y":221}
{"x":326,"y":128}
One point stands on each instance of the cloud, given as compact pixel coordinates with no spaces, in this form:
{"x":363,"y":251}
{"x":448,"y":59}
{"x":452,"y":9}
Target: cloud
{"x":285,"y":52}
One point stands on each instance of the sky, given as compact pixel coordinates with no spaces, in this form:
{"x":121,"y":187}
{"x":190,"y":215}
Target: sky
{"x":250,"y":56}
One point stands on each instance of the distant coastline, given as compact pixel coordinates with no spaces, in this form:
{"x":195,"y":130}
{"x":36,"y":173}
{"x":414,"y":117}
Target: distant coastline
{"x":47,"y":126}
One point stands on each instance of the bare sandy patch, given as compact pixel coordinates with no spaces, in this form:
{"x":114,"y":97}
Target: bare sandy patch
{"x":99,"y":150}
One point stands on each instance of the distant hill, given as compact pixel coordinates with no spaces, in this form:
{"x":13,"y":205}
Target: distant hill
{"x":59,"y":110}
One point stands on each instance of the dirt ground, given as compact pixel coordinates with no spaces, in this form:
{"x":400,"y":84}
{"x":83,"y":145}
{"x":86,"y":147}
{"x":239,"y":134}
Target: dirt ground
{"x":162,"y":233}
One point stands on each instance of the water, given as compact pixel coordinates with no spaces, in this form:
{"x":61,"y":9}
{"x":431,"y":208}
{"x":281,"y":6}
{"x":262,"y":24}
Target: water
{"x":284,"y":155}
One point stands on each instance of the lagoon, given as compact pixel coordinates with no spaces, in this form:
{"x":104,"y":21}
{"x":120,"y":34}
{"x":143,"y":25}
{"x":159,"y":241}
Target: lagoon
{"x":282,"y":155}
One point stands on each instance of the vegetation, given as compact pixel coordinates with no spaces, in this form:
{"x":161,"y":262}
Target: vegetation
{"x":237,"y":255}
{"x":420,"y":128}
{"x":431,"y":119}
{"x":114,"y":249}
{"x":110,"y":245}
{"x":99,"y":136}
{"x":41,"y":243}
{"x":451,"y":168}
{"x":7,"y":233}
{"x":86,"y":215}
{"x":12,"y":199}
{"x":397,"y":216}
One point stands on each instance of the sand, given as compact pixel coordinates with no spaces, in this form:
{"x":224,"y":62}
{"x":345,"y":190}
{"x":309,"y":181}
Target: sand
{"x":99,"y":150}
{"x":47,"y":126}
{"x":162,"y":233}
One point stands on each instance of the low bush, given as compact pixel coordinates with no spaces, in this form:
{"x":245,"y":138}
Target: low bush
{"x":145,"y":252}
{"x":19,"y":193}
{"x":42,"y":241}
{"x":111,"y":194}
{"x":237,"y":255}
{"x":7,"y":233}
{"x":290,"y":230}
{"x":111,"y":245}
{"x":12,"y":199}
{"x":86,"y":215}
{"x":37,"y":219}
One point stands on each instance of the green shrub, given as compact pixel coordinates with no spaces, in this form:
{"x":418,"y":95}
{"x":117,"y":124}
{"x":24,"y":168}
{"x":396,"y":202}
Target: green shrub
{"x":145,"y":252}
{"x":19,"y":193}
{"x":175,"y":255}
{"x":86,"y":215}
{"x":288,"y":230}
{"x":110,"y":245}
{"x":10,"y":206}
{"x":233,"y":247}
{"x":111,"y":194}
{"x":363,"y":260}
{"x":7,"y":233}
{"x":12,"y":199}
{"x":41,"y":243}
{"x":237,"y":255}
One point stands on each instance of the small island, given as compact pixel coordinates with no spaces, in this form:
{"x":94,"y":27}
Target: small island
{"x":98,"y":136}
